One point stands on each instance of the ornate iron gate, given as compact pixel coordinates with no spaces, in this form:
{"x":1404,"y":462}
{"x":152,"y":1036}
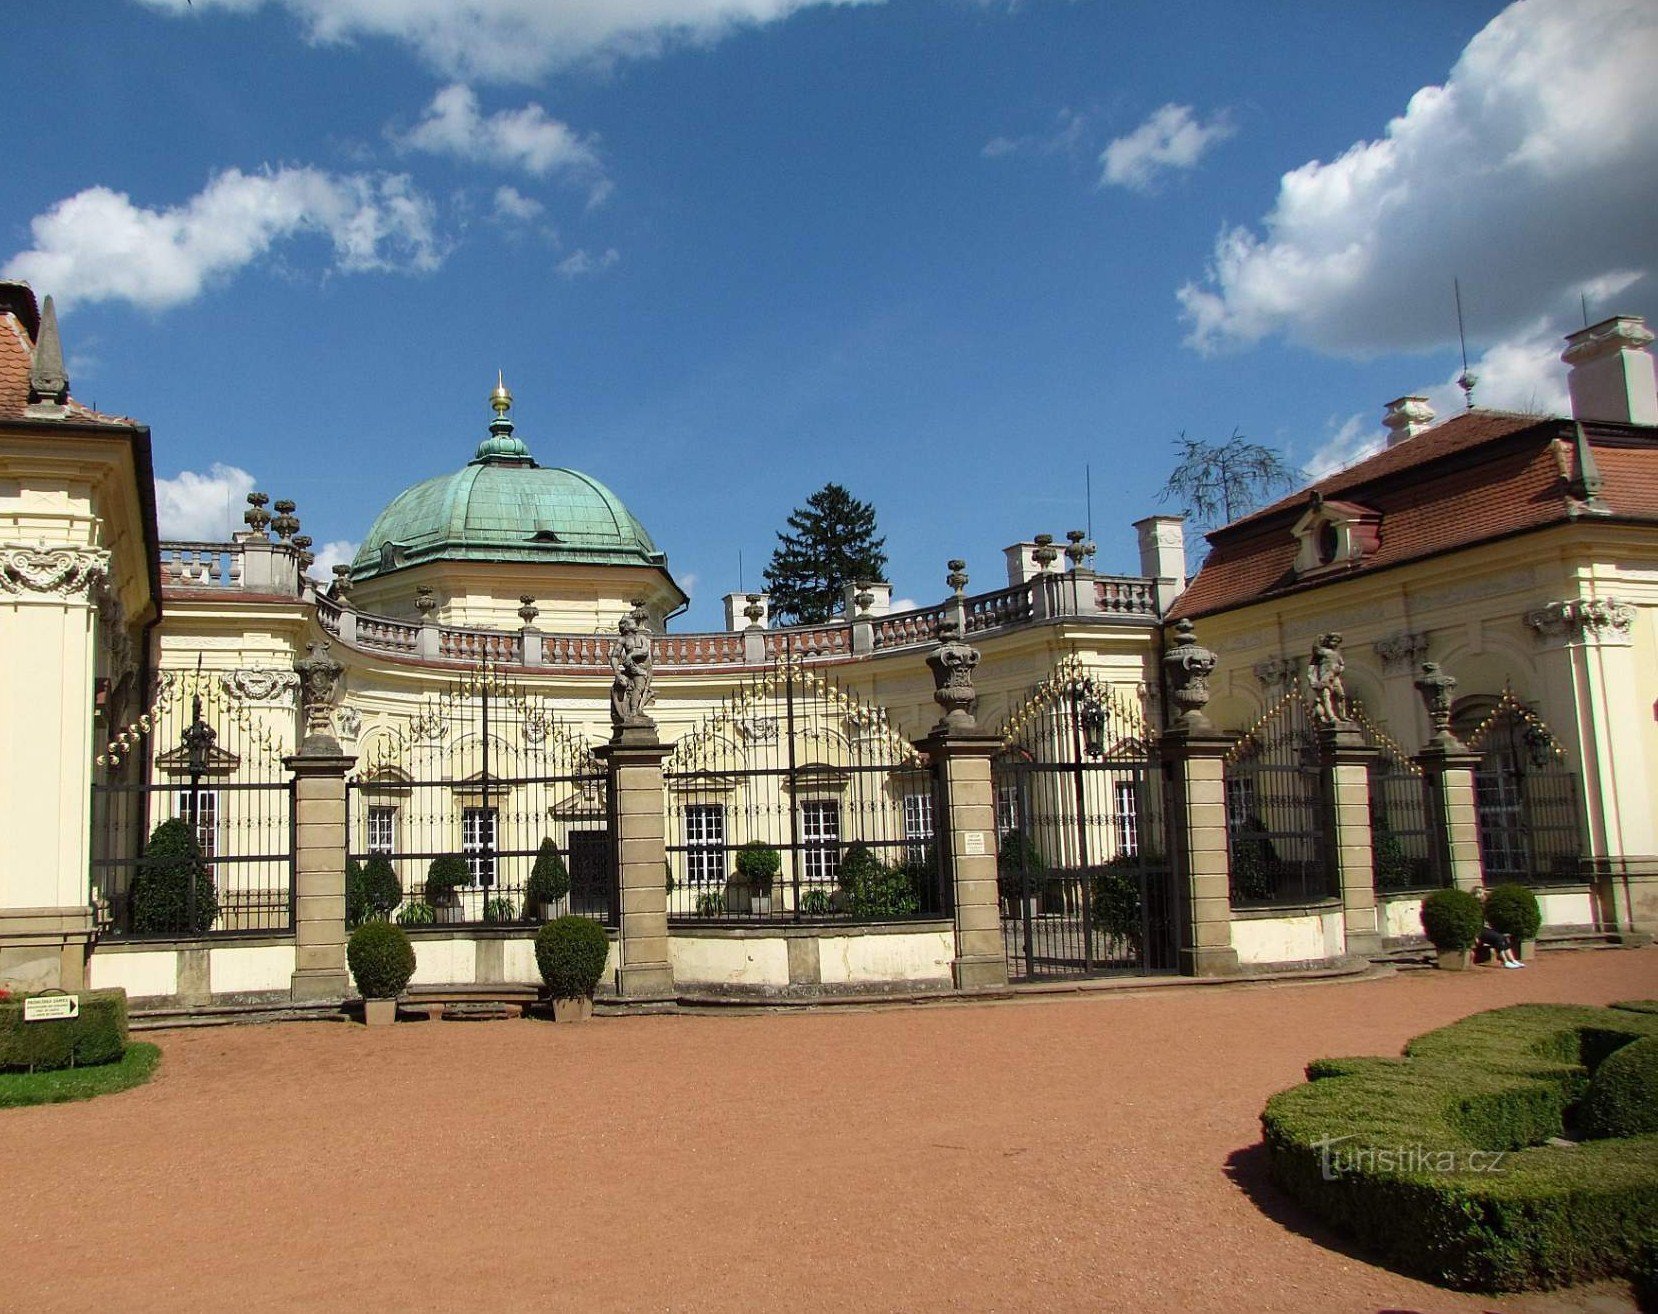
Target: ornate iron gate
{"x":1082,"y":865}
{"x":207,"y":753}
{"x":1401,"y":847}
{"x":1530,"y":819}
{"x":1275,"y":813}
{"x":797,"y":801}
{"x":481,"y":774}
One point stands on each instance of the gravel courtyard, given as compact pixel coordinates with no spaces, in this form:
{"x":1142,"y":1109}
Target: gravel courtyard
{"x":1078,"y":1152}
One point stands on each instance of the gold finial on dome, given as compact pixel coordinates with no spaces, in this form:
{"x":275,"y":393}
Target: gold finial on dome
{"x":500,"y":399}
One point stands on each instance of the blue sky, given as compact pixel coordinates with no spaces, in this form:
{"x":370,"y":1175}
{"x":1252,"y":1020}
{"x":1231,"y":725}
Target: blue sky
{"x":947,"y":253}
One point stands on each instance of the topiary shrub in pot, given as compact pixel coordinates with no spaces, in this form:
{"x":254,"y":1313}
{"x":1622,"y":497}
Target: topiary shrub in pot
{"x":549,"y":884}
{"x":1451,"y":919}
{"x":445,"y":878}
{"x":381,"y":960}
{"x":1116,"y":906}
{"x":382,"y":891}
{"x":750,"y":887}
{"x":571,"y":953}
{"x":1514,"y":910}
{"x":1019,"y":865}
{"x":172,"y":891}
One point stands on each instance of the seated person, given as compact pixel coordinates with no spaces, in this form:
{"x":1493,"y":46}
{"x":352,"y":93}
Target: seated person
{"x":1490,"y":939}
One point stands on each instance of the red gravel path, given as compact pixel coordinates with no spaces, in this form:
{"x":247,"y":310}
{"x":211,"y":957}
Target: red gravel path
{"x":1074,"y":1153}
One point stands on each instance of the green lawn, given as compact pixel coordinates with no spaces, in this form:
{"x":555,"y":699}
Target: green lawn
{"x":134,"y":1068}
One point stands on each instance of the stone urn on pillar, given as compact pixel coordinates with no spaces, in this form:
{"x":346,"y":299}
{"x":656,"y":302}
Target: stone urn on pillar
{"x":952,"y":663}
{"x":1187,"y":666}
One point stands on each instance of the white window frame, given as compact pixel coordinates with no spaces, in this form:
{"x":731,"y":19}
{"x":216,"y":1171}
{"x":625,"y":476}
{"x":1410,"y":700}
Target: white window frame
{"x":1127,"y":817}
{"x":207,"y":820}
{"x":918,"y":825}
{"x":1007,"y":808}
{"x":381,"y":828}
{"x":477,"y":841}
{"x":705,"y":845}
{"x":820,"y":840}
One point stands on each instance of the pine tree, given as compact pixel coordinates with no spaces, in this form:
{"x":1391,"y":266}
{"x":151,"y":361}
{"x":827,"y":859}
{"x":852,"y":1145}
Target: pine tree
{"x":833,"y":543}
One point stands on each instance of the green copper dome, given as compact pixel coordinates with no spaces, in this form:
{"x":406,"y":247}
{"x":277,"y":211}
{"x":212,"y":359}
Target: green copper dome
{"x":502,"y":506}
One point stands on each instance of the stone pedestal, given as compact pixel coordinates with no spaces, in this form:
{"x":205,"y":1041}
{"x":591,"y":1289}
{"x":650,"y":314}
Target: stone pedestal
{"x":638,"y":806}
{"x":1345,"y":760}
{"x":1453,"y":823}
{"x":1194,"y":768}
{"x":967,"y":836}
{"x":319,"y":874}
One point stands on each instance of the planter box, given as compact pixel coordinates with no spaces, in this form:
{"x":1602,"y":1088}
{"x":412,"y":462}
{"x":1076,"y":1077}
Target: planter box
{"x":379,"y":1012}
{"x":1453,"y":960}
{"x":449,"y":914}
{"x":572,"y":1010}
{"x":551,"y":912}
{"x":1526,"y":950}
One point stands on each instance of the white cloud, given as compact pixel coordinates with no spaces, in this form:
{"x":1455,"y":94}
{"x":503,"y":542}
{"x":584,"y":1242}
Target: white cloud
{"x":1529,"y":175}
{"x":98,"y":246}
{"x":339,"y":552}
{"x":202,"y":507}
{"x":519,"y":40}
{"x":1353,"y":440}
{"x":529,"y":138}
{"x":1170,"y":139}
{"x":582,"y":262}
{"x":904,"y":604}
{"x":510,"y":203}
{"x":1068,"y":131}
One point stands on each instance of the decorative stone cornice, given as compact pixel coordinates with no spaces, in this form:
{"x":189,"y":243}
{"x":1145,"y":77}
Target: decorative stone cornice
{"x":1401,"y":651}
{"x":1583,"y":620}
{"x":63,"y":572}
{"x":259,"y":684}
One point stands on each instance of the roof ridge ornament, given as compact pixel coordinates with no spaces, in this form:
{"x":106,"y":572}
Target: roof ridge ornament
{"x":502,"y":446}
{"x":48,"y":380}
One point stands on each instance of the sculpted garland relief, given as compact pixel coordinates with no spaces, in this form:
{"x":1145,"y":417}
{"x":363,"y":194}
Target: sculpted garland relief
{"x":63,"y":572}
{"x":1586,"y":620}
{"x":260,"y":685}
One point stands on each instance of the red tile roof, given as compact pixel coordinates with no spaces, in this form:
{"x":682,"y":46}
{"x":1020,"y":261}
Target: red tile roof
{"x":1481,"y":476}
{"x":18,"y":322}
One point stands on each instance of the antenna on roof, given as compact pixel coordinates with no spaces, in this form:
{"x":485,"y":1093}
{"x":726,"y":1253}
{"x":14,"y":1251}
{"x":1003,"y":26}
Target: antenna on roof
{"x":1583,"y":300}
{"x":1088,"y":485}
{"x":740,"y":587}
{"x":1467,"y":379}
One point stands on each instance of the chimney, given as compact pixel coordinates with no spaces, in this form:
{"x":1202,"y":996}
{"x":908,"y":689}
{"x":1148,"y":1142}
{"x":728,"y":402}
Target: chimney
{"x":1611,"y":375}
{"x":1405,"y":418}
{"x":1163,"y":556}
{"x":745,"y":611}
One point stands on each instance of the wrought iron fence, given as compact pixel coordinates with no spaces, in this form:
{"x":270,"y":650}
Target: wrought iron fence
{"x":1530,"y":814}
{"x":796,"y":801}
{"x":1403,"y":853}
{"x":211,"y":761}
{"x":1276,"y":821}
{"x":462,"y":797}
{"x":1082,"y":866}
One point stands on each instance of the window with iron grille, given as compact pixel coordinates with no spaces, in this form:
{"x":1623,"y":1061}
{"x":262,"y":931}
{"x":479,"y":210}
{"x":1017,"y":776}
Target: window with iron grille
{"x":918,"y":826}
{"x":203,"y":806}
{"x":820,"y":836}
{"x":1127,"y":818}
{"x":705,"y":845}
{"x":382,"y":829}
{"x":1240,"y":801}
{"x":478,"y":843}
{"x":1007,"y":808}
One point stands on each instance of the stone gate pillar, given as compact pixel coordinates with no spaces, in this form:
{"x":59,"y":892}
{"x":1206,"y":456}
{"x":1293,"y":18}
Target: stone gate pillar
{"x":1448,"y":772}
{"x":638,"y":807}
{"x":1194,"y":768}
{"x":319,"y":768}
{"x":960,"y":753}
{"x":1344,"y":759}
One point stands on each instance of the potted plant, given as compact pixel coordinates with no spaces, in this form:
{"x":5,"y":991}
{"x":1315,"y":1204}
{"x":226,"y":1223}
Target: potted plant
{"x":571,"y":953}
{"x":381,"y":890}
{"x":1019,"y":866}
{"x":1452,"y":920}
{"x":445,"y":878}
{"x":1513,"y":910}
{"x":751,"y":885}
{"x":549,"y":884}
{"x":382,"y":960}
{"x":416,"y":913}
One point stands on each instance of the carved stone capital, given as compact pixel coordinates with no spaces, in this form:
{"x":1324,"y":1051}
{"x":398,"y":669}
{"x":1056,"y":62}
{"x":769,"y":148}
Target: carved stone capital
{"x":1401,"y":651}
{"x":260,"y":685}
{"x":1582,"y":621}
{"x":63,"y":572}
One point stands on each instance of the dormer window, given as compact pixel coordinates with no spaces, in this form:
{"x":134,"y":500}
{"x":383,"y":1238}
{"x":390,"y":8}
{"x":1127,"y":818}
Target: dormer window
{"x":1335,"y":536}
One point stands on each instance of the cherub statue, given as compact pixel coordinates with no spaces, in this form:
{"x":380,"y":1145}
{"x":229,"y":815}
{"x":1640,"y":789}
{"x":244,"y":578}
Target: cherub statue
{"x":1329,"y":690}
{"x":630,"y":659}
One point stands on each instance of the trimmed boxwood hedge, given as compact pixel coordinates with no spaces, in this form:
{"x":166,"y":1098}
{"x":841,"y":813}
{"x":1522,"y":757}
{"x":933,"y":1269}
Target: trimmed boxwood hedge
{"x":98,"y":1035}
{"x":571,"y":953}
{"x":1623,"y":1094}
{"x":1436,"y":1162}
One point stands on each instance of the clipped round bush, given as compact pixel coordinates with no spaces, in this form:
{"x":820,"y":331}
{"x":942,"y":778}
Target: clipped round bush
{"x":1623,"y":1094}
{"x":1513,"y":910}
{"x":382,"y":891}
{"x":447,"y":874}
{"x":381,"y":959}
{"x":172,"y":891}
{"x":1452,"y":919}
{"x":571,"y":953}
{"x":1116,"y":899}
{"x":549,"y":878}
{"x":757,"y":866}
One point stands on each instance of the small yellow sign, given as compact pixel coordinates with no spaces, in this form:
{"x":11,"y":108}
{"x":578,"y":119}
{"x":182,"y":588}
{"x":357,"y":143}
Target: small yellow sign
{"x":51,"y":1008}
